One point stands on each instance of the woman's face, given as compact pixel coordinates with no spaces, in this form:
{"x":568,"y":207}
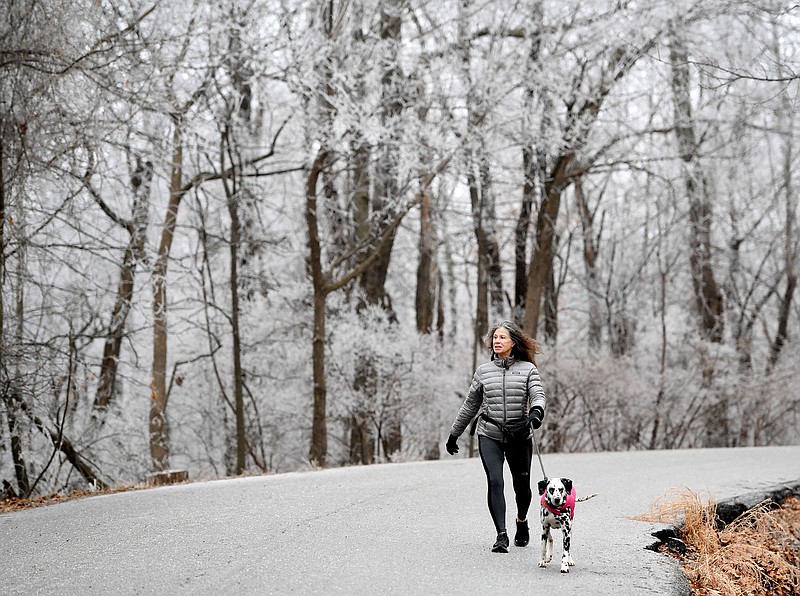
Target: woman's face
{"x":502,"y":342}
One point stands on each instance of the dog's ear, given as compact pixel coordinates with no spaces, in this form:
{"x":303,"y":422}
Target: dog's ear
{"x":542,"y":486}
{"x":567,"y":484}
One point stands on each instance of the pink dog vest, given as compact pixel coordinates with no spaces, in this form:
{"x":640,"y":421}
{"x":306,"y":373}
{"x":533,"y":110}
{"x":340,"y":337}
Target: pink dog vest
{"x":569,"y":504}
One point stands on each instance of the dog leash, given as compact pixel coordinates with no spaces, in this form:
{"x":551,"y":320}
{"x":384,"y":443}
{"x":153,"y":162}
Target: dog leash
{"x":544,"y":474}
{"x":539,"y":455}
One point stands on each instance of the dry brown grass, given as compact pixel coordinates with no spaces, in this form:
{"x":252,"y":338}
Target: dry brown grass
{"x":756,"y":554}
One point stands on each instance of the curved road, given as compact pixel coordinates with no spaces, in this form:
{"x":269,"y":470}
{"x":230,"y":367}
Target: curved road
{"x":415,"y":528}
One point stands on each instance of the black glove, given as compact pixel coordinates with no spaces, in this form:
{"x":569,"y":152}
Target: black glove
{"x":535,"y":417}
{"x":452,"y":445}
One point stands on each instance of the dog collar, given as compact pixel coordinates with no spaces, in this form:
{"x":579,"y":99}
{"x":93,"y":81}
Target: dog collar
{"x":569,"y":505}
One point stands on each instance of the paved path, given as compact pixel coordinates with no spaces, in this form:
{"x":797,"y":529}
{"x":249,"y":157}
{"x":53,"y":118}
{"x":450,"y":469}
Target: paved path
{"x":416,"y":528}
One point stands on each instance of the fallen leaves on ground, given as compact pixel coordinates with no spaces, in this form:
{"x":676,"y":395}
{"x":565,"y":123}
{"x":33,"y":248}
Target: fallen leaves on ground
{"x":10,"y":505}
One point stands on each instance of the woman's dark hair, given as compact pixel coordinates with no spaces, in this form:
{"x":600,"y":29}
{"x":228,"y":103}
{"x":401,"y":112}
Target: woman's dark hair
{"x":525,"y":347}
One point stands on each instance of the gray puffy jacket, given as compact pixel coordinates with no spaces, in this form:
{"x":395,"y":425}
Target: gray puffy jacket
{"x":504,"y":390}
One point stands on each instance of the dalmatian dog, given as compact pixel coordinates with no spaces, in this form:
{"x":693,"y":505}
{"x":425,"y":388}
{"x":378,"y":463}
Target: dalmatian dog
{"x":558,"y":508}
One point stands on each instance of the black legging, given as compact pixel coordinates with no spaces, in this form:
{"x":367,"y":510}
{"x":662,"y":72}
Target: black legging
{"x":519,"y":455}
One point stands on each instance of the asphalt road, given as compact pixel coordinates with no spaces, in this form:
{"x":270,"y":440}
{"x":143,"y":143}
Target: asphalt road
{"x":415,"y":528}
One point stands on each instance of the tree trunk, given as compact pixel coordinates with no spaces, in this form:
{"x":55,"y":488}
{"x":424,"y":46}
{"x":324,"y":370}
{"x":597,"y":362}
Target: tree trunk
{"x":482,"y":301}
{"x":708,"y":297}
{"x":532,"y":172}
{"x":362,"y":445}
{"x":426,"y":268}
{"x":134,"y":252}
{"x":361,"y":439}
{"x":542,"y":254}
{"x":484,"y":262}
{"x":158,"y":426}
{"x":488,"y":236}
{"x":237,"y":341}
{"x":361,"y":187}
{"x":440,"y":315}
{"x":786,"y":118}
{"x":3,"y":346}
{"x":550,"y":303}
{"x":387,"y":192}
{"x":386,"y":185}
{"x":662,"y":361}
{"x":534,"y":165}
{"x":590,"y":249}
{"x":17,"y":456}
{"x":319,"y":432}
{"x":233,"y":193}
{"x":785,"y":309}
{"x":11,"y":385}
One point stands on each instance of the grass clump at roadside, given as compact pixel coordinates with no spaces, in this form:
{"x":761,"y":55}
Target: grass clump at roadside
{"x":756,"y":554}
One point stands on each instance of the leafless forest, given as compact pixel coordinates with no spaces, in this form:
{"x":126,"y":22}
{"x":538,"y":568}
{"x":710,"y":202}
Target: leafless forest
{"x":255,"y":236}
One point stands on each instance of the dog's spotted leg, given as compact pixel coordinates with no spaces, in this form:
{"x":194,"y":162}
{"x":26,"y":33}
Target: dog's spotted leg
{"x":566,"y":530}
{"x":547,"y":546}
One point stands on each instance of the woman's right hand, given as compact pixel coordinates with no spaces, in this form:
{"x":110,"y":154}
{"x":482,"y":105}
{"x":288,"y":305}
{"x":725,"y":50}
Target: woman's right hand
{"x":452,"y":445}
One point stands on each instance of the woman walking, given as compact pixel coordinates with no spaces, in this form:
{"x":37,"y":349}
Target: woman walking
{"x":507,"y":393}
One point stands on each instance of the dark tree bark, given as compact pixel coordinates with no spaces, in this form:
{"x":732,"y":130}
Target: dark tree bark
{"x":591,"y":242}
{"x":158,"y":423}
{"x":786,"y":117}
{"x":233,"y":193}
{"x":385,"y":204}
{"x":6,"y":382}
{"x":361,"y":439}
{"x":134,"y":253}
{"x":532,"y":169}
{"x":2,"y":239}
{"x":550,"y":302}
{"x":534,"y":165}
{"x":426,"y":268}
{"x":440,"y":315}
{"x":707,"y":294}
{"x":544,"y":241}
{"x":319,"y":433}
{"x":362,"y":443}
{"x":484,"y":261}
{"x":488,"y":236}
{"x":384,"y":201}
{"x":17,"y":456}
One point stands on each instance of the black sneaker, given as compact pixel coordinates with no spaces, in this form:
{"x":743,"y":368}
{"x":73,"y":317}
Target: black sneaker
{"x":501,"y":544}
{"x":523,"y":536}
